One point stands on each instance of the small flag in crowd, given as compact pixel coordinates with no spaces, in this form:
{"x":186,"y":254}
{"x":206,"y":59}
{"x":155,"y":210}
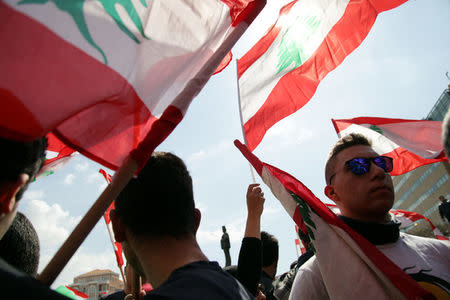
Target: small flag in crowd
{"x":71,"y":292}
{"x":377,"y":276}
{"x":117,"y":246}
{"x":281,"y":73}
{"x":411,"y":143}
{"x":108,"y":76}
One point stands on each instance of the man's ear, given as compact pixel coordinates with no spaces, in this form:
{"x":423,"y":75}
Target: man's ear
{"x":8,"y":192}
{"x":198,"y":217}
{"x":330,"y":192}
{"x":118,"y":226}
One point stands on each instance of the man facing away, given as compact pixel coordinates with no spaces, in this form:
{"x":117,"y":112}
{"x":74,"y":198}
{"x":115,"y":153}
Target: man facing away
{"x":225,"y":245}
{"x":358,"y":182}
{"x":21,"y":161}
{"x":444,"y":209}
{"x":156,"y":221}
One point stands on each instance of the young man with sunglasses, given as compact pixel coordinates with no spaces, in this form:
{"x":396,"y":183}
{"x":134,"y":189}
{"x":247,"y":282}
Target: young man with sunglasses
{"x":358,"y":181}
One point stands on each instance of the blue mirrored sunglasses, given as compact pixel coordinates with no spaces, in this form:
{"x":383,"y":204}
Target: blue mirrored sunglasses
{"x":361,"y":165}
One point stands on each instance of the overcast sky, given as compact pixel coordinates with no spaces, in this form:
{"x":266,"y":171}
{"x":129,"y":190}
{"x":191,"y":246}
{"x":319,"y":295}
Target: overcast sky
{"x":397,"y":72}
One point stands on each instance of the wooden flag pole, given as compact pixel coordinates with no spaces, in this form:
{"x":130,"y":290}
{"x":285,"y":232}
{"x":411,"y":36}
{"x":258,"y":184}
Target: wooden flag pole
{"x":81,"y":231}
{"x":242,"y":119}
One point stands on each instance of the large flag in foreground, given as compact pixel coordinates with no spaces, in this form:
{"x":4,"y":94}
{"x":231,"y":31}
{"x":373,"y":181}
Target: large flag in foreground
{"x":281,"y":73}
{"x":105,"y":74}
{"x":336,"y":245}
{"x":411,"y":143}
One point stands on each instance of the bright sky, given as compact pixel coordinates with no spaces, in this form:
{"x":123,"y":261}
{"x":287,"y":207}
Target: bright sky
{"x":397,"y":72}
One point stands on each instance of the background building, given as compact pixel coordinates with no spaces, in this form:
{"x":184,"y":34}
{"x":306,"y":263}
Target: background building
{"x":97,"y":283}
{"x":420,"y":189}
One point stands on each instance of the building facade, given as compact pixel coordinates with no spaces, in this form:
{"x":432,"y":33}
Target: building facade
{"x":97,"y":283}
{"x":419,"y":190}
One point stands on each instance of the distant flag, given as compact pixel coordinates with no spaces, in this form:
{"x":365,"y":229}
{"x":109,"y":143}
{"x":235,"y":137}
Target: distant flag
{"x":58,"y":155}
{"x":411,"y":143}
{"x":117,"y":246}
{"x":71,"y":292}
{"x":281,"y":73}
{"x":108,"y":76}
{"x":382,"y":279}
{"x":406,"y":218}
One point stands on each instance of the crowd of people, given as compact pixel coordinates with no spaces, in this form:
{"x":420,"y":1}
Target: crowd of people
{"x":159,"y":239}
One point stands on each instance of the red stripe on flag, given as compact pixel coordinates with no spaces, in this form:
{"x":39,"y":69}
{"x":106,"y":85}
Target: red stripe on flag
{"x":77,"y":292}
{"x":297,"y":87}
{"x":342,"y":124}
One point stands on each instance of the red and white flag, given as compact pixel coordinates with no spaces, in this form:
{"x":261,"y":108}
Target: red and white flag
{"x":117,"y":246}
{"x":58,"y":155}
{"x":411,"y":143}
{"x":281,"y":73}
{"x":104,"y":75}
{"x":336,"y":245}
{"x":407,"y":218}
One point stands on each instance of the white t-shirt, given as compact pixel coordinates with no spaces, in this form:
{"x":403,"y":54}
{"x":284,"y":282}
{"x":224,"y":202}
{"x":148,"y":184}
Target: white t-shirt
{"x":426,"y":260}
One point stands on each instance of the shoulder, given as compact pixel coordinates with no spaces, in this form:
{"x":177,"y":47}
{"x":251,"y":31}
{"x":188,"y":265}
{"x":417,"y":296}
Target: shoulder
{"x":308,"y":283}
{"x":429,"y":244}
{"x":200,"y":280}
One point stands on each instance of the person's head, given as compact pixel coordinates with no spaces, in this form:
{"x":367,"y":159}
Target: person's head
{"x":269,"y":245}
{"x":224,"y":229}
{"x":21,"y":162}
{"x":361,"y":188}
{"x":20,"y":246}
{"x":442,"y":198}
{"x":157,"y":204}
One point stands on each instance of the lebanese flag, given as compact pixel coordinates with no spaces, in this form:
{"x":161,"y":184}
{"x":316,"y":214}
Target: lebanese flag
{"x":105,"y":76}
{"x":411,"y":143}
{"x":71,"y":292}
{"x":281,"y":73}
{"x":336,"y":245}
{"x":58,"y":155}
{"x":117,"y":246}
{"x":407,"y":218}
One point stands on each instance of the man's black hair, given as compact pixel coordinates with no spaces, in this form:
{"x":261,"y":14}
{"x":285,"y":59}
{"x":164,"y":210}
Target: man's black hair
{"x":350,"y":140}
{"x":269,"y":249}
{"x":21,"y":157}
{"x":160,"y":201}
{"x":20,"y":246}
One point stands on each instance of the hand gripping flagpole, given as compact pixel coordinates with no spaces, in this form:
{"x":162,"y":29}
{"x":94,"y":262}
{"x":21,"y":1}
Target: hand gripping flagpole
{"x":242,"y":119}
{"x":143,"y":152}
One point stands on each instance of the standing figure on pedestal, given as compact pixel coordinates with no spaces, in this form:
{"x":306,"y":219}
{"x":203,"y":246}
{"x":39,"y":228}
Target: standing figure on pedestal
{"x":225,"y":244}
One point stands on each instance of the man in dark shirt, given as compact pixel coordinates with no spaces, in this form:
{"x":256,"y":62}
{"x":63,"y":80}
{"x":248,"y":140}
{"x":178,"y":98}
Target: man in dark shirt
{"x":444,"y":208}
{"x":225,"y":245}
{"x":156,"y":221}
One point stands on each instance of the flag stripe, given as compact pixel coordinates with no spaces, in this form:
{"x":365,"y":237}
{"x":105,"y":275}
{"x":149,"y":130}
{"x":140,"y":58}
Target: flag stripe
{"x":297,"y":87}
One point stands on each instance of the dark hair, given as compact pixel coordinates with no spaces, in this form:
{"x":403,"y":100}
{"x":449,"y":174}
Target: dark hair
{"x":21,"y":158}
{"x":160,"y":201}
{"x":269,"y":249}
{"x":20,"y":245}
{"x":350,"y":140}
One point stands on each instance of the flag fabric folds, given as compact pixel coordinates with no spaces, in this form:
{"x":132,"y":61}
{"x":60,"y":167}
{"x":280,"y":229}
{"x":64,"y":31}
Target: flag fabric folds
{"x":103,"y":75}
{"x":282,"y":71}
{"x":411,"y":143}
{"x":336,"y":245}
{"x":58,"y":155}
{"x":117,"y":246}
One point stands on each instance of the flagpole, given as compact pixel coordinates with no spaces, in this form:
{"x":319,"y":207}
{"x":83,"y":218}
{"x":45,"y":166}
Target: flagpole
{"x":81,"y":231}
{"x":242,"y":119}
{"x":162,"y":128}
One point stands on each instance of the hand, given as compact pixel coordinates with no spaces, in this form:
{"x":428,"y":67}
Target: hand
{"x":255,"y":200}
{"x":130,"y":296}
{"x":260,"y":296}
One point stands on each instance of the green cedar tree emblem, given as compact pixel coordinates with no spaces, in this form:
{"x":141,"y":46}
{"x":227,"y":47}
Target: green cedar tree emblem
{"x":305,"y":211}
{"x":291,"y":50}
{"x":377,"y":129}
{"x":75,"y":9}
